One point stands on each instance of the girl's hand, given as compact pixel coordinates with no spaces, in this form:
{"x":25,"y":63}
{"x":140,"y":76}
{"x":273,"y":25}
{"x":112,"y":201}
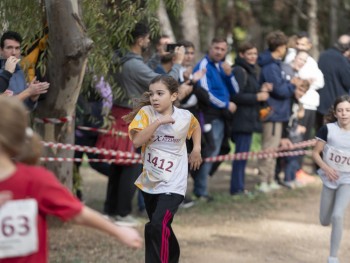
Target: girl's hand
{"x":195,"y":159}
{"x":165,"y":120}
{"x":330,"y":173}
{"x":130,"y":237}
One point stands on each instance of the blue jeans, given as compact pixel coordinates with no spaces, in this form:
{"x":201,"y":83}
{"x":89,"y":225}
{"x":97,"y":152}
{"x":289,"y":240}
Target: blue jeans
{"x":201,"y":178}
{"x":292,"y":166}
{"x":242,"y":143}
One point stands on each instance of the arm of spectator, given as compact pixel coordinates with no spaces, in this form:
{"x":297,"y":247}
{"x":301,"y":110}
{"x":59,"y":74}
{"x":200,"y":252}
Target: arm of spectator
{"x":317,"y":80}
{"x":206,"y":84}
{"x":202,"y":95}
{"x":6,"y":74}
{"x":33,"y":91}
{"x":154,"y":61}
{"x":4,"y":80}
{"x":345,"y":75}
{"x":184,"y":90}
{"x":229,"y":78}
{"x":281,"y":88}
{"x":105,"y":91}
{"x":285,"y":144}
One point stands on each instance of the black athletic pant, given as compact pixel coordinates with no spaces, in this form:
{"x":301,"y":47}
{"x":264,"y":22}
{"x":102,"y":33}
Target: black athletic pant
{"x":160,"y":240}
{"x":121,"y":189}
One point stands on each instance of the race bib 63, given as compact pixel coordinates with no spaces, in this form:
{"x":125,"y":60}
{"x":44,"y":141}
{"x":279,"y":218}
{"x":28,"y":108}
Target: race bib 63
{"x":18,"y":228}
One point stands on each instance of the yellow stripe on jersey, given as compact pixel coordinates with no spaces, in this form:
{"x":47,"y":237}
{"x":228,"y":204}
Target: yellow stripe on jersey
{"x":140,"y":122}
{"x":193,"y":125}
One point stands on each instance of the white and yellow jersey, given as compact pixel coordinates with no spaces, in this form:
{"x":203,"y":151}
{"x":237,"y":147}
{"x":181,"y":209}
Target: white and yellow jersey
{"x":165,"y":162}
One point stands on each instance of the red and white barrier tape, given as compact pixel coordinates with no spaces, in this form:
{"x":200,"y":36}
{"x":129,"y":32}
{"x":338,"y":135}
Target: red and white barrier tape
{"x":104,"y":131}
{"x":87,"y":149}
{"x":116,"y":161}
{"x":255,"y":155}
{"x":54,"y":120}
{"x":136,"y":158}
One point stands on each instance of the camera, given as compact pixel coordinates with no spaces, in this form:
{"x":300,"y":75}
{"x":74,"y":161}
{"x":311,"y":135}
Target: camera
{"x":171,"y":47}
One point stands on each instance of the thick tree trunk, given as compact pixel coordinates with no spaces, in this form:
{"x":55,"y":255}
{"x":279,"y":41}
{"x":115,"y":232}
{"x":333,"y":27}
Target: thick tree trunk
{"x":189,"y":24}
{"x":164,"y":21}
{"x":69,"y":47}
{"x":312,"y":28}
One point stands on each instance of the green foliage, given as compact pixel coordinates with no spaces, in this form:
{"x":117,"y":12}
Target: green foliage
{"x":25,"y":17}
{"x":108,"y":23}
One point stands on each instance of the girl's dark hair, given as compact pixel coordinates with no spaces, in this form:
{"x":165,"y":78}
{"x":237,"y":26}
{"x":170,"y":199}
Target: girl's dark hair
{"x":18,"y":142}
{"x":330,"y":115}
{"x":168,"y":81}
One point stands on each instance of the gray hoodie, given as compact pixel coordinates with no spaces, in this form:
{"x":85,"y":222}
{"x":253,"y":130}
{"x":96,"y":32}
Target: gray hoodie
{"x":134,"y":78}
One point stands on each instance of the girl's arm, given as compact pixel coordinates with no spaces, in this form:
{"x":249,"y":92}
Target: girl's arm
{"x":142,"y":137}
{"x":125,"y":235}
{"x":316,"y":155}
{"x":195,"y":158}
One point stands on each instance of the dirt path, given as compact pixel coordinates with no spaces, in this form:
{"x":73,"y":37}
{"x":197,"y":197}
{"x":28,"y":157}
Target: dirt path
{"x":280,"y":227}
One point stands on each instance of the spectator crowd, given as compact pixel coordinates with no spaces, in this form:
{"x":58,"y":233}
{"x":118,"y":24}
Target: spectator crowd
{"x":281,"y":92}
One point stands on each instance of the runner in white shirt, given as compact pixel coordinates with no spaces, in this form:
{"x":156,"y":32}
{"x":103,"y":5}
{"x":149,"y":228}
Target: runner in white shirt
{"x":333,"y":141}
{"x":162,"y":129}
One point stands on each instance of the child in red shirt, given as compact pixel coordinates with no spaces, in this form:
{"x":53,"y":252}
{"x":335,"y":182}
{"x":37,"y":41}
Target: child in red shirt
{"x":29,"y":193}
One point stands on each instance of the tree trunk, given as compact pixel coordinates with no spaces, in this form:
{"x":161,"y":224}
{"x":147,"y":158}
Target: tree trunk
{"x":164,"y":21}
{"x":312,"y":27}
{"x":333,"y":21}
{"x":69,"y":47}
{"x":208,"y":26}
{"x":189,"y":24}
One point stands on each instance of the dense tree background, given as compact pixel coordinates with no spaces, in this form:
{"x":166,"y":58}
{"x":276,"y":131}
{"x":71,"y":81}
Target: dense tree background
{"x":84,"y":33}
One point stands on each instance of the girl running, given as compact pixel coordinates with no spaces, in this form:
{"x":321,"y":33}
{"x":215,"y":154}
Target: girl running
{"x":162,"y":129}
{"x":333,"y":141}
{"x":29,"y":193}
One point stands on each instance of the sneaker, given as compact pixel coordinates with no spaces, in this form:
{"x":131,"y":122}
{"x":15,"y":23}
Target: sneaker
{"x":263,"y":187}
{"x":333,"y":260}
{"x":298,"y":184}
{"x":187,"y":202}
{"x":274,"y":186}
{"x":127,"y":220}
{"x":288,"y":185}
{"x":303,"y":177}
{"x":203,"y":198}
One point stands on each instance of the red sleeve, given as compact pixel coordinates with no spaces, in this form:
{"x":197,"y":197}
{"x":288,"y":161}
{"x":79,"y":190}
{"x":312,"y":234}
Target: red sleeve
{"x":54,"y":198}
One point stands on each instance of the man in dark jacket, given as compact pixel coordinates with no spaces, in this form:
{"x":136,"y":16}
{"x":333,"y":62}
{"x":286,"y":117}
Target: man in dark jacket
{"x":335,"y":66}
{"x":279,"y":101}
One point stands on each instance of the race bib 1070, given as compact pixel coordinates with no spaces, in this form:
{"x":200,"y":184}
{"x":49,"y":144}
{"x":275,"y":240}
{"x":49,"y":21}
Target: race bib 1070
{"x":18,"y":228}
{"x":337,"y":159}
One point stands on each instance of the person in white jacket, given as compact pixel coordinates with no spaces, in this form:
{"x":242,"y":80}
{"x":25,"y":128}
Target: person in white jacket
{"x":313,"y":74}
{"x":311,"y":99}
